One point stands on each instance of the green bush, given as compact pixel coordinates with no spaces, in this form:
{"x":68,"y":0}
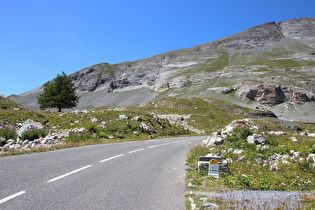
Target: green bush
{"x":7,"y":131}
{"x":92,"y":128}
{"x":80,"y":137}
{"x":33,"y":134}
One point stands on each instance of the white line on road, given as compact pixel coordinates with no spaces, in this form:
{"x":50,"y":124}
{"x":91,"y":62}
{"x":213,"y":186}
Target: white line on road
{"x":165,"y":144}
{"x":67,"y":174}
{"x":12,"y":196}
{"x":137,"y":150}
{"x":152,"y":146}
{"x":111,"y":158}
{"x":175,"y":142}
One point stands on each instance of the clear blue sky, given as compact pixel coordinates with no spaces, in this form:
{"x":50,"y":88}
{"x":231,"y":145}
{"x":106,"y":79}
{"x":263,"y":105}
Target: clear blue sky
{"x":41,"y":38}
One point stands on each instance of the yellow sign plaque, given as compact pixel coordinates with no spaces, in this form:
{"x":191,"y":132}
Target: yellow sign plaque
{"x":213,"y":161}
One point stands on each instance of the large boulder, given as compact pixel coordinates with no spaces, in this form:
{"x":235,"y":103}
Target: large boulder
{"x":29,"y":124}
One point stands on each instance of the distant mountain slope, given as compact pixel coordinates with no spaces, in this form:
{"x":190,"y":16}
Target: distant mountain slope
{"x":270,"y":66}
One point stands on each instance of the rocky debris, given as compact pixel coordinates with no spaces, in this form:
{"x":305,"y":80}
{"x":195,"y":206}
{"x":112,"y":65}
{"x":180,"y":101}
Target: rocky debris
{"x":256,"y":139}
{"x":238,"y":123}
{"x":219,"y":136}
{"x":29,"y":124}
{"x":53,"y":138}
{"x":212,"y":141}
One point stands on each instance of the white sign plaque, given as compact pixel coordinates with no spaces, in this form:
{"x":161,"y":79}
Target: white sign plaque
{"x":214,"y":168}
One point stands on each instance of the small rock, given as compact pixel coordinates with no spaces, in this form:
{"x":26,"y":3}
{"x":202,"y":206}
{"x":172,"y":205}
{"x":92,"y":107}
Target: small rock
{"x":94,"y":120}
{"x":242,"y":158}
{"x":144,"y":127}
{"x":277,"y":133}
{"x":137,"y":118}
{"x":238,"y":151}
{"x":214,"y":140}
{"x":3,"y":141}
{"x":256,"y":139}
{"x":156,"y":118}
{"x":123,"y":117}
{"x":191,"y":185}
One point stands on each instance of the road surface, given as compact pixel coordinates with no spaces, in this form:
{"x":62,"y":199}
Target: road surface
{"x":132,"y":175}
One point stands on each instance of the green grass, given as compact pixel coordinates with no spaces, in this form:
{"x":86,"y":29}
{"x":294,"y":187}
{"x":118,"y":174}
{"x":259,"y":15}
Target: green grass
{"x":249,"y":174}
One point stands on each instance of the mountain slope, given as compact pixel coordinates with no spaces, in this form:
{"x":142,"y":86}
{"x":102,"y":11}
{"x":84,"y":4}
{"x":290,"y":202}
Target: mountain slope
{"x":270,"y":66}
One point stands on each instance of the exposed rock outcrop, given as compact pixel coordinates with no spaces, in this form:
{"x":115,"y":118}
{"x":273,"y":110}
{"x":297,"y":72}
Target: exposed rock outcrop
{"x":272,"y":94}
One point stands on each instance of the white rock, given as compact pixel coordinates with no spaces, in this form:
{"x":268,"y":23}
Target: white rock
{"x":94,"y":120}
{"x":256,"y":139}
{"x":311,"y":157}
{"x":137,"y":118}
{"x":229,"y":160}
{"x":285,"y":162}
{"x":242,"y":158}
{"x":84,"y":111}
{"x":296,"y":154}
{"x":123,"y":117}
{"x":214,"y":140}
{"x":277,"y":133}
{"x":238,"y":151}
{"x":29,"y":124}
{"x":144,"y":127}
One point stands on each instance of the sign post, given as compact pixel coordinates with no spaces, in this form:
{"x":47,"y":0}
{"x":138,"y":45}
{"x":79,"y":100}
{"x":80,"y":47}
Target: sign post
{"x":214,"y":168}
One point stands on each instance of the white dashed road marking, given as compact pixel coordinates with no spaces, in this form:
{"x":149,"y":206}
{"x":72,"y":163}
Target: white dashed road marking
{"x":137,"y":150}
{"x":12,"y":196}
{"x":111,"y":158}
{"x":67,"y":174}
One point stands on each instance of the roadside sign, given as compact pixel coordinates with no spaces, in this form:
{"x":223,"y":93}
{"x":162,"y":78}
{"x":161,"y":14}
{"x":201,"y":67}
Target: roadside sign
{"x":214,"y":168}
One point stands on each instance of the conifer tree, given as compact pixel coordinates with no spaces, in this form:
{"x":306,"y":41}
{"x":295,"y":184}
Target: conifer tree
{"x":58,"y":93}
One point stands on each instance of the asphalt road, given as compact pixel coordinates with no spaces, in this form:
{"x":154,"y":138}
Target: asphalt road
{"x":133,"y":175}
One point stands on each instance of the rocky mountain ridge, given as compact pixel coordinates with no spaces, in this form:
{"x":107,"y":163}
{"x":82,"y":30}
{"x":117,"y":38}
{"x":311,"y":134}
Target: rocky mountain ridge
{"x":267,"y":66}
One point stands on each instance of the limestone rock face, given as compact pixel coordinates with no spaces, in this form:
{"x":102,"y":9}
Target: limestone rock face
{"x":272,"y":94}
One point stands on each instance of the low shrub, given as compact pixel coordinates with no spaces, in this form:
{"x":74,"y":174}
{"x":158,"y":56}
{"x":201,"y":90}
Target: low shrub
{"x":80,"y":137}
{"x":7,"y":131}
{"x":33,"y":134}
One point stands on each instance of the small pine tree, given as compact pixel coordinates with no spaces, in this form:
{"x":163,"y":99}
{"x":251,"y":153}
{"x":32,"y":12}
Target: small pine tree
{"x":58,"y":93}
